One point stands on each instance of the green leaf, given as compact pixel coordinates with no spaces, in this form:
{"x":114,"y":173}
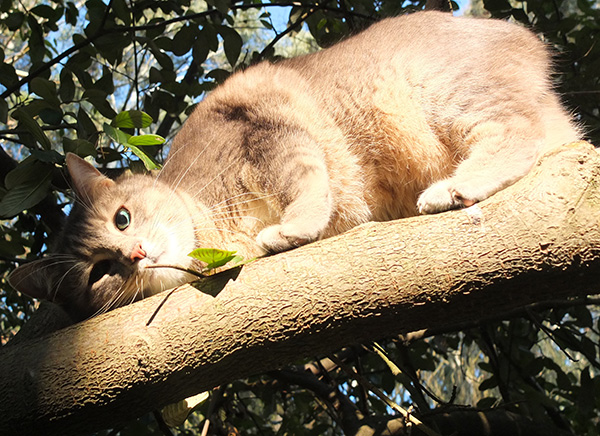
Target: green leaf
{"x":200,"y":50}
{"x":220,"y":5}
{"x":100,"y":101}
{"x":145,"y":140}
{"x":489,"y":383}
{"x":32,"y":127}
{"x":46,"y":89}
{"x":86,"y":129}
{"x":587,"y":392}
{"x":14,"y":20}
{"x":22,"y":172}
{"x":164,"y":60}
{"x":218,"y":74}
{"x":132,"y":119}
{"x":27,"y":185}
{"x":8,"y":75}
{"x":3,"y":111}
{"x":105,"y":83}
{"x":209,"y":36}
{"x":232,"y":43}
{"x":106,"y":155}
{"x":37,"y":46}
{"x":184,"y":39}
{"x":43,"y":11}
{"x":497,"y":5}
{"x":80,"y":147}
{"x":67,"y":86}
{"x":213,"y":257}
{"x":48,"y":156}
{"x":266,"y":24}
{"x":122,"y":11}
{"x":117,"y":135}
{"x":51,"y":115}
{"x":71,"y":14}
{"x":147,"y":160}
{"x":12,"y":247}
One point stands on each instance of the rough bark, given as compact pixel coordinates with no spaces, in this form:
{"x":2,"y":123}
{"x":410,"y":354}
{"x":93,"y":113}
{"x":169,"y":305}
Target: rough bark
{"x":537,"y":240}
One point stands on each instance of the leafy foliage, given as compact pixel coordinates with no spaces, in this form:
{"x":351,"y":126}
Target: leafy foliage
{"x":130,"y":120}
{"x":85,"y":77}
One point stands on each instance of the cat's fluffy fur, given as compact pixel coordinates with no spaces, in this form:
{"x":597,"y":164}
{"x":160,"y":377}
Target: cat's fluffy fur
{"x":421,"y":113}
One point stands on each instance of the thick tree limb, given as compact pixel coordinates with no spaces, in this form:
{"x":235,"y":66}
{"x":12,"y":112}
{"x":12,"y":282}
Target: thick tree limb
{"x":535,"y":241}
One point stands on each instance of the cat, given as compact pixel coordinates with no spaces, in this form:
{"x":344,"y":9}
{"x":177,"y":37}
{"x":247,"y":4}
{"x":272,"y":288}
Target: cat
{"x":421,"y":113}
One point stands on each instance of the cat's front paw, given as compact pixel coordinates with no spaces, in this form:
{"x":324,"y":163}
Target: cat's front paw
{"x":282,"y":237}
{"x":440,"y":197}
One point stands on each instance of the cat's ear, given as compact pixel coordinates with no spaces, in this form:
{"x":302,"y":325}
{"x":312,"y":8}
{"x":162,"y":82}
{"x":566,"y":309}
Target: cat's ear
{"x":88,"y":182}
{"x":33,"y":278}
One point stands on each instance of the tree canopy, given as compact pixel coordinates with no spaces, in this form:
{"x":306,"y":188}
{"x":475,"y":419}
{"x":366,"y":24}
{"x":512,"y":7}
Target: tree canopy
{"x":68,"y":70}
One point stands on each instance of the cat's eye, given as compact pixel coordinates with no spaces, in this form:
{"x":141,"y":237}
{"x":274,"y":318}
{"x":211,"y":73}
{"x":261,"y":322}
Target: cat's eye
{"x":122,"y":218}
{"x":99,"y":270}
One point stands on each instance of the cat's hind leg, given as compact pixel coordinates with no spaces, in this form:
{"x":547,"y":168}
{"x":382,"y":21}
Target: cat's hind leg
{"x":500,"y":154}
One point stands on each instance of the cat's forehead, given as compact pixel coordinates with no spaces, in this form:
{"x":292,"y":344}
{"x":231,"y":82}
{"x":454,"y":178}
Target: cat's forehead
{"x":136,"y":187}
{"x":132,"y":191}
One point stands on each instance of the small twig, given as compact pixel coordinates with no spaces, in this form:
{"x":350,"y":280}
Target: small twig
{"x":180,"y":268}
{"x":162,"y":303}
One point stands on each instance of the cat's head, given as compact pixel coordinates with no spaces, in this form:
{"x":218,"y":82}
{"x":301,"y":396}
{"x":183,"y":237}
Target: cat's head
{"x":114,"y":231}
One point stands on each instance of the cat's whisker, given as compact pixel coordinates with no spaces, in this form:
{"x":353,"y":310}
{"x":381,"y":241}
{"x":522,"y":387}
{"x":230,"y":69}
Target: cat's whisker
{"x":176,"y":183}
{"x":85,"y":200}
{"x":172,"y":155}
{"x":233,"y":219}
{"x":114,"y":301}
{"x":242,"y":194}
{"x":225,"y":205}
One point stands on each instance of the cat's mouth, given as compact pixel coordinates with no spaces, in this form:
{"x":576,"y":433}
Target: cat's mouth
{"x":142,"y":273}
{"x":160,"y":273}
{"x":148,"y":261}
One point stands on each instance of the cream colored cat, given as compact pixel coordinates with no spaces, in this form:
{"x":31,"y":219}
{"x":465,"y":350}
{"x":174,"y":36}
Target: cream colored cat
{"x":421,"y":113}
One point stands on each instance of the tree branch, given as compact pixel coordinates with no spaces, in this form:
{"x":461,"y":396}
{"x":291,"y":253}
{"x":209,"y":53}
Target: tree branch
{"x":535,"y":241}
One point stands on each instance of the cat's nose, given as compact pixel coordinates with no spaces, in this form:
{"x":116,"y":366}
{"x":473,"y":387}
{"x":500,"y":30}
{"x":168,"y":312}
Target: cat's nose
{"x":137,"y":253}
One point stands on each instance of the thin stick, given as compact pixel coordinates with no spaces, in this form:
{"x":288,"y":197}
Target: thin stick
{"x":180,"y":268}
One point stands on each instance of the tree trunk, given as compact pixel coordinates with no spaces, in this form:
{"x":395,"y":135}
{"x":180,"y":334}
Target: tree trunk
{"x":536,"y":240}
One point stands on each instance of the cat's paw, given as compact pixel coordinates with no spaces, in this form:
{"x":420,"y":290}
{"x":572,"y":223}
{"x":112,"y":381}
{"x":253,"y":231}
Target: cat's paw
{"x":282,"y":237}
{"x":443,"y":196}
